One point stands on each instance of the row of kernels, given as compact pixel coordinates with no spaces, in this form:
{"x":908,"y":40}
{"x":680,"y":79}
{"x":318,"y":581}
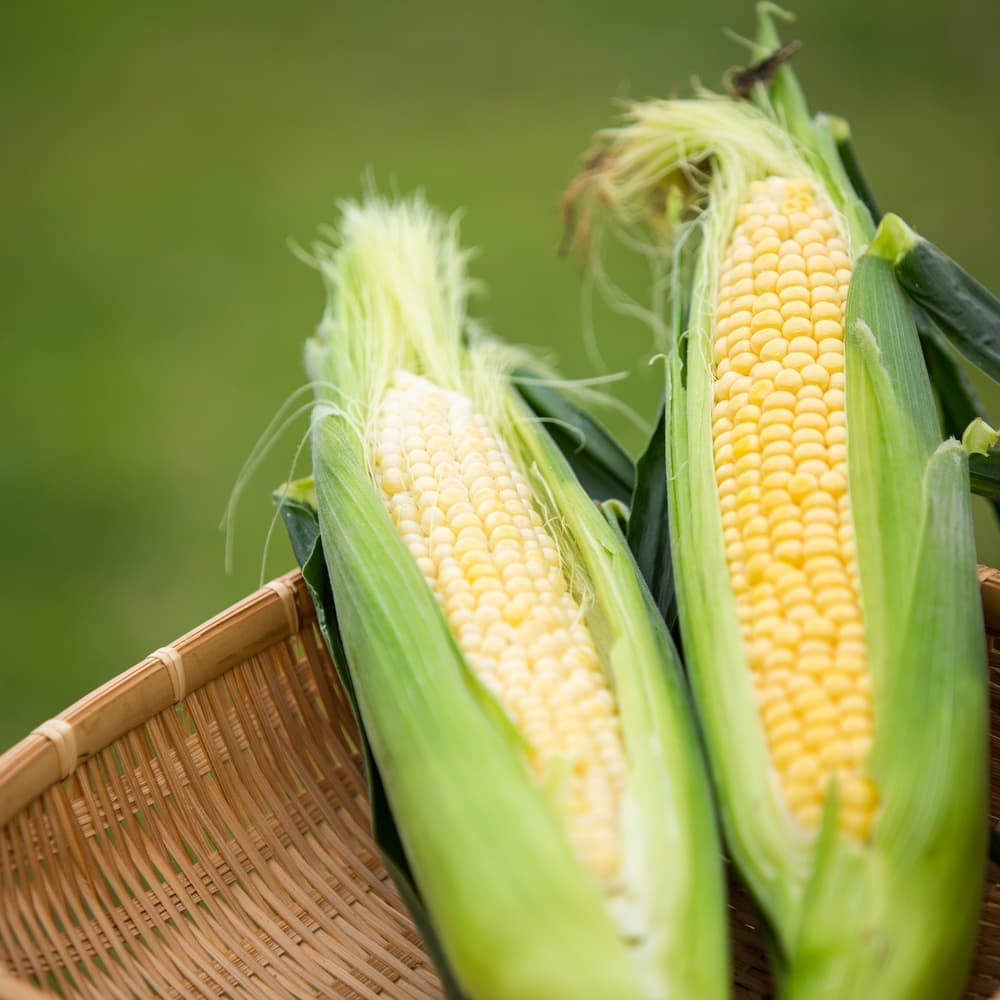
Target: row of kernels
{"x":800,"y":482}
{"x":497,"y":573}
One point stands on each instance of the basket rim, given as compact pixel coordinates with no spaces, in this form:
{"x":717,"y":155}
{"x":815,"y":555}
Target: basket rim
{"x":53,"y":749}
{"x":275,"y":612}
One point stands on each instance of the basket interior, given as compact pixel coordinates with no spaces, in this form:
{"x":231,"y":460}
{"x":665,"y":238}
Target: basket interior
{"x":221,"y":846}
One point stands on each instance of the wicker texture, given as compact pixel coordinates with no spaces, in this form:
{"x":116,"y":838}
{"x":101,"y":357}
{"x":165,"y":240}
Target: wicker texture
{"x":198,"y":827}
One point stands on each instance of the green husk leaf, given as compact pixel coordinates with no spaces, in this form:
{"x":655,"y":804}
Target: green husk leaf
{"x":893,"y":429}
{"x":935,"y":789}
{"x":648,"y":526}
{"x":984,"y":476}
{"x":840,"y":131}
{"x":965,"y":311}
{"x":957,"y":397}
{"x":297,"y":505}
{"x":602,"y":466}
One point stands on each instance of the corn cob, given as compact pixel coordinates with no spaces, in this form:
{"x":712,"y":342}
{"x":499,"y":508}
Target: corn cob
{"x":517,"y":689}
{"x":824,"y":557}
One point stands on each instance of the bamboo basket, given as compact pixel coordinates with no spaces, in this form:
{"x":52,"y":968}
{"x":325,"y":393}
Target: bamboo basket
{"x":197,"y":827}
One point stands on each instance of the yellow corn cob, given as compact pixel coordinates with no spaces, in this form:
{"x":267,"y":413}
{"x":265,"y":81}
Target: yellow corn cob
{"x":821,"y":540}
{"x":466,"y":513}
{"x":780,"y":437}
{"x":537,"y":769}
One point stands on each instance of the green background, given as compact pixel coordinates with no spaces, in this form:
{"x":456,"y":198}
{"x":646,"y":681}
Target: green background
{"x":157,"y":160}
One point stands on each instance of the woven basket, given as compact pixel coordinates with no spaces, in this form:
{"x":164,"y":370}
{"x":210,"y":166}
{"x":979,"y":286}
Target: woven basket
{"x":198,"y":827}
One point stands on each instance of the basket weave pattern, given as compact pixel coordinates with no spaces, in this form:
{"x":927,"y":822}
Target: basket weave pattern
{"x":198,"y":827}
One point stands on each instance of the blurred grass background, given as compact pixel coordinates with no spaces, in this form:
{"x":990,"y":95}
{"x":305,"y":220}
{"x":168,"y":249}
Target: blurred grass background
{"x":158,"y":158}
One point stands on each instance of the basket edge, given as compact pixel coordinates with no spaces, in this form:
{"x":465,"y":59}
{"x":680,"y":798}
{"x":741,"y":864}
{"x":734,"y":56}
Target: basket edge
{"x":53,"y":750}
{"x":270,"y":615}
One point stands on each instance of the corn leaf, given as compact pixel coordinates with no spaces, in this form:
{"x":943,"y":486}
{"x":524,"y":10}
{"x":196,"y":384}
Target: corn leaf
{"x":840,"y":131}
{"x":648,"y":526}
{"x":984,"y":475}
{"x":302,"y":523}
{"x":601,"y":465}
{"x":965,"y":311}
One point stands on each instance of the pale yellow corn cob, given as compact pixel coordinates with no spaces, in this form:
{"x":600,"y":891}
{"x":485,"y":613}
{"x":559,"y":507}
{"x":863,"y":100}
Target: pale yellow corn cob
{"x":466,"y":512}
{"x":780,"y":437}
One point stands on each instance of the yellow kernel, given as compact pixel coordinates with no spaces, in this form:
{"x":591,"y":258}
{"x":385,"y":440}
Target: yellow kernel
{"x":816,"y":374}
{"x":801,"y":613}
{"x":796,"y":307}
{"x":819,"y":737}
{"x":844,"y":613}
{"x":810,"y":450}
{"x":822,"y":714}
{"x":827,"y":328}
{"x":809,"y":402}
{"x":785,"y":729}
{"x":766,"y":281}
{"x":818,"y":262}
{"x":816,"y":546}
{"x":835,"y":752}
{"x":789,"y":550}
{"x":831,"y":361}
{"x":764,"y":236}
{"x":837,"y":684}
{"x":797,"y":328}
{"x":819,"y":628}
{"x":802,"y":345}
{"x":798,"y":360}
{"x":857,"y":792}
{"x":788,"y":583}
{"x":791,"y":260}
{"x":856,"y":821}
{"x":795,"y":293}
{"x":765,"y":370}
{"x":855,"y":725}
{"x":777,"y":462}
{"x":788,"y":380}
{"x":775,"y":712}
{"x":784,"y":753}
{"x":834,"y":483}
{"x":806,"y":433}
{"x":805,"y":770}
{"x":801,"y":486}
{"x":826,"y":310}
{"x":774,"y":349}
{"x":786,"y":529}
{"x":761,"y":338}
{"x":765,"y":318}
{"x":792,"y":279}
